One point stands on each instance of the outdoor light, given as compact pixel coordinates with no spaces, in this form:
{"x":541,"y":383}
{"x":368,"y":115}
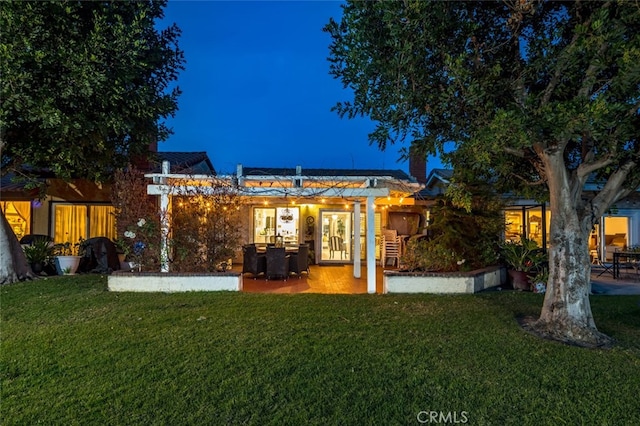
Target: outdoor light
{"x":286,"y":215}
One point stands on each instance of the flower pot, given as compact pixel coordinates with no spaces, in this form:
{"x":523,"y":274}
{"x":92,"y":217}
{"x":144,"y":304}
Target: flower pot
{"x":121,"y":257}
{"x":67,"y":265}
{"x":519,"y":280}
{"x":37,"y":267}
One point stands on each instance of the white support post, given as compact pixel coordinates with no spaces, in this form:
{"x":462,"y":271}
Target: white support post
{"x":164,"y":230}
{"x":371,"y":246}
{"x":356,"y":240}
{"x":164,"y":219}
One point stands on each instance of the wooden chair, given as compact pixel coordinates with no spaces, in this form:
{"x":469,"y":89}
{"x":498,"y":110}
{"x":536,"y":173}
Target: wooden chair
{"x":277,"y":263}
{"x":336,"y":243}
{"x":252,"y":262}
{"x":299,"y":262}
{"x":391,"y":247}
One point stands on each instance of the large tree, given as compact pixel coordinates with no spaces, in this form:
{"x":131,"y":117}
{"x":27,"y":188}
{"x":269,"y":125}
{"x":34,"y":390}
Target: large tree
{"x":84,"y":89}
{"x":538,"y":95}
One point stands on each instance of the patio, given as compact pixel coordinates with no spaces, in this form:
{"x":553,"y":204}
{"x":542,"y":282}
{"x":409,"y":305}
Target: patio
{"x":327,"y":279}
{"x":338,"y":279}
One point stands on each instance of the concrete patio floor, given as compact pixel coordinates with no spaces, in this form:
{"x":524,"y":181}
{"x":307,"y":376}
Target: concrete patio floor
{"x":338,"y":279}
{"x":604,"y":283}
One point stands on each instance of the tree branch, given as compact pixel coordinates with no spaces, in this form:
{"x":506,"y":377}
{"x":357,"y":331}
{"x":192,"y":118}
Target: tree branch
{"x":614,"y":189}
{"x":585,"y":169}
{"x":588,"y":81}
{"x":520,"y":153}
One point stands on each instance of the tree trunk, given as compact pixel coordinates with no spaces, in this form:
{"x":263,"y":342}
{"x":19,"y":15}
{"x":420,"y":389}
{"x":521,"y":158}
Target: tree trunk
{"x":566,"y":312}
{"x":13,"y":263}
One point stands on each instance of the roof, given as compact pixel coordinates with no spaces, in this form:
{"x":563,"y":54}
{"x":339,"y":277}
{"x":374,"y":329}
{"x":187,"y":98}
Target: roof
{"x":181,"y":162}
{"x":185,"y":162}
{"x":8,"y":185}
{"x":284,"y":171}
{"x":436,"y":182}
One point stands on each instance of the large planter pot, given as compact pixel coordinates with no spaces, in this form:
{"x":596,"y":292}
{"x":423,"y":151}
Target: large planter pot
{"x":67,"y":265}
{"x":37,"y":267}
{"x":519,"y":280}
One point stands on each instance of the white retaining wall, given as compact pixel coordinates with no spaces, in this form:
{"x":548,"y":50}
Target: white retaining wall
{"x":169,"y":283}
{"x":433,"y":282}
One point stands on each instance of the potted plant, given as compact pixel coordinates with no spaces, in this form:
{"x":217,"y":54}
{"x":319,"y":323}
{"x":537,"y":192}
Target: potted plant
{"x":38,"y":254}
{"x":68,"y":256}
{"x":123,"y":248}
{"x":522,"y":259}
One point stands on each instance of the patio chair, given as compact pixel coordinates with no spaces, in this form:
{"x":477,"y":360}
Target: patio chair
{"x":607,"y":267}
{"x":391,"y":247}
{"x":277,"y":263}
{"x":336,"y":243}
{"x":252,"y":262}
{"x":299,"y":262}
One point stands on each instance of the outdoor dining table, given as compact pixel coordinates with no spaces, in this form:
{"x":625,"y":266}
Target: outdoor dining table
{"x":290,"y":249}
{"x":628,"y":255}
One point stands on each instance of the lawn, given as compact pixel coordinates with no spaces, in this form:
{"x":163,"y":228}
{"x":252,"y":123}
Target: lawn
{"x":74,"y":353}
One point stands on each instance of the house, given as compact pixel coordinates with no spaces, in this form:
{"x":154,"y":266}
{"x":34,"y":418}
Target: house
{"x":79,"y":208}
{"x":618,"y":229}
{"x":340,"y":213}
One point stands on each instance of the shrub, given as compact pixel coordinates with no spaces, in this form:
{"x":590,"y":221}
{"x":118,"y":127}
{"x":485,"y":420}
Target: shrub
{"x":205,"y":227}
{"x":458,"y":239}
{"x":137,"y":218}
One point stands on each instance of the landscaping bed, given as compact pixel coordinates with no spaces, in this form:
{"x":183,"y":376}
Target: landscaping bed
{"x":444,"y":282}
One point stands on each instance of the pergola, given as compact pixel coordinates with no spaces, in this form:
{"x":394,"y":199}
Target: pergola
{"x":365,"y":190}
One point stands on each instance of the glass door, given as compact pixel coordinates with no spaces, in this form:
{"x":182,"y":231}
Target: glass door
{"x":336,"y":231}
{"x":363,"y":235}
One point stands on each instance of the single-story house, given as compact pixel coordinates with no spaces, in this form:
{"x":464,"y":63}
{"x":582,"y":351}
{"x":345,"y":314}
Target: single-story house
{"x":618,"y":229}
{"x":79,"y":208}
{"x":340,"y":213}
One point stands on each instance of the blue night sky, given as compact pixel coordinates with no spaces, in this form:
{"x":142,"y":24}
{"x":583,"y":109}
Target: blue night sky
{"x":257,"y":89}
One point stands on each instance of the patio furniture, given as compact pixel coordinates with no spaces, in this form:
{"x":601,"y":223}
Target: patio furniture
{"x":277,"y":263}
{"x":392,"y":247}
{"x":336,"y":243}
{"x":253,"y":262}
{"x":631,"y":260}
{"x":299,"y":262}
{"x":607,"y":267}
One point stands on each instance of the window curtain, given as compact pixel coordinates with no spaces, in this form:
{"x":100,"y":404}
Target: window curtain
{"x":70,"y":223}
{"x":22,"y":209}
{"x":102,"y":222}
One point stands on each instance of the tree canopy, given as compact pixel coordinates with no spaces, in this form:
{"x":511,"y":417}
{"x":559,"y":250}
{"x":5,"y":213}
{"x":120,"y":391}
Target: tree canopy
{"x":502,"y":81}
{"x":538,"y":96}
{"x":85,"y":85}
{"x":84,"y":88}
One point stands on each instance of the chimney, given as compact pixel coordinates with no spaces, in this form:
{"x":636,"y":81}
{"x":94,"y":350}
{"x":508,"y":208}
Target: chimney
{"x":418,"y":167}
{"x":146,"y":161}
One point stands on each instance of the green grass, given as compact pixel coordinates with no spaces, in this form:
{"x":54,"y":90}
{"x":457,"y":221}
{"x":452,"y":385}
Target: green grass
{"x":74,"y":353}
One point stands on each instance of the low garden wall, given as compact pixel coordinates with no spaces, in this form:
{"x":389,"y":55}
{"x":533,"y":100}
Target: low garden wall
{"x":444,"y":282}
{"x":174,"y":282}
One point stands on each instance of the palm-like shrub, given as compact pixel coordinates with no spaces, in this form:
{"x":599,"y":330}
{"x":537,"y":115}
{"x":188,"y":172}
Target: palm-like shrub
{"x":458,"y":239}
